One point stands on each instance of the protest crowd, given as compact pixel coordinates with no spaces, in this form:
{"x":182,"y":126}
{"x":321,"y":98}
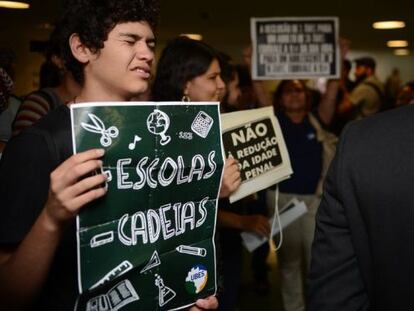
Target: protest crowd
{"x":342,"y":157}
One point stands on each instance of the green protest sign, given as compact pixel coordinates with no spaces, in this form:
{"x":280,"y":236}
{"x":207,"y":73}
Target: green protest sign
{"x":148,"y":244}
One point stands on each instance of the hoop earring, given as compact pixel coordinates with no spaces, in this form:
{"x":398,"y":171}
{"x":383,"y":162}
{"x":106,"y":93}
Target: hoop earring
{"x":185,"y":98}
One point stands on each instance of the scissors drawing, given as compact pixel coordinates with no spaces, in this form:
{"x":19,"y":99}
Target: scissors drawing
{"x":99,"y":127}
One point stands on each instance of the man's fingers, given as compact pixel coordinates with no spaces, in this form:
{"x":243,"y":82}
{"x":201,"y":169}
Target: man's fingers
{"x":85,"y":185}
{"x":80,"y":158}
{"x":60,"y":181}
{"x":86,"y":198}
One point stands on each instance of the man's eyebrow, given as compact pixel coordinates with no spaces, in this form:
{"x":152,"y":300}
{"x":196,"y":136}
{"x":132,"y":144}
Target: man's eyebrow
{"x":135,"y":36}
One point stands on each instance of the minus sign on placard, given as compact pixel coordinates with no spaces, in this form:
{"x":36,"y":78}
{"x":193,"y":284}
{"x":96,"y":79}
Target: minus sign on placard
{"x":102,"y":239}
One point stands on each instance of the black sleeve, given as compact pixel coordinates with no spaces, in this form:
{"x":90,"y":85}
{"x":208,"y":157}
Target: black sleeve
{"x":335,"y":277}
{"x":24,"y":183}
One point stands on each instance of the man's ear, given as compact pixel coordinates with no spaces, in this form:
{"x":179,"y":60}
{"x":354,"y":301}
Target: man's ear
{"x":79,"y":50}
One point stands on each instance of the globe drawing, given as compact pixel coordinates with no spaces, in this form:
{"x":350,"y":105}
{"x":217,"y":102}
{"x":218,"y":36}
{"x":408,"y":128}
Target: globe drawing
{"x":158,"y":123}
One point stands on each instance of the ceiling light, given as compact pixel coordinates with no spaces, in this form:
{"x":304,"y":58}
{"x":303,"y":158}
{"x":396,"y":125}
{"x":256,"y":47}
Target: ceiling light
{"x":14,"y":5}
{"x":388,"y":25}
{"x":401,"y":52}
{"x":397,"y":43}
{"x":194,"y":36}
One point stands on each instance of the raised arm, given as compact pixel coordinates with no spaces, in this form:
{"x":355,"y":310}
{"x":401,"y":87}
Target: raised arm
{"x":258,"y":86}
{"x":327,"y":106}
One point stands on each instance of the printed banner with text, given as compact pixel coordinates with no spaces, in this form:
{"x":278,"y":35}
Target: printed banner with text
{"x":295,"y":48}
{"x":254,"y":138}
{"x":148,"y":243}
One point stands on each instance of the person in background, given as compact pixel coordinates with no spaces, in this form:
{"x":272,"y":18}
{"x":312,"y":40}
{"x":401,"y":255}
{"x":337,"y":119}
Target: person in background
{"x":405,"y":95}
{"x":6,"y":88}
{"x":57,"y":87}
{"x":237,"y":217}
{"x":188,"y":70}
{"x":191,"y":70}
{"x":391,"y":88}
{"x":11,"y":104}
{"x":242,"y":95}
{"x":109,"y":49}
{"x":7,"y":77}
{"x":367,"y":98}
{"x":310,"y":149}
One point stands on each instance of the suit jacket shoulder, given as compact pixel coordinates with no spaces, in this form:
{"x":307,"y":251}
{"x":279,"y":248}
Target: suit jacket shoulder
{"x":360,"y":258}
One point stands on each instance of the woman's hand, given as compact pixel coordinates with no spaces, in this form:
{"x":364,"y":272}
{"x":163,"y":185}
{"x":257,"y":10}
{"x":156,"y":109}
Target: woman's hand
{"x":231,"y":177}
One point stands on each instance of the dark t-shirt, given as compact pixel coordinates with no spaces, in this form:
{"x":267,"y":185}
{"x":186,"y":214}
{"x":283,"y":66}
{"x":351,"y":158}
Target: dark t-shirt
{"x":24,"y":183}
{"x":305,"y":153}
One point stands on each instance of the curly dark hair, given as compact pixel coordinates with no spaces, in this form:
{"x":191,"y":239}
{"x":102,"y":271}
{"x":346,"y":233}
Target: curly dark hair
{"x":92,"y":20}
{"x":182,"y":60}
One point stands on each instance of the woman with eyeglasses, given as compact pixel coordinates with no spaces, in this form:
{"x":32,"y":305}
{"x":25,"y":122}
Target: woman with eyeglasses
{"x":310,"y":149}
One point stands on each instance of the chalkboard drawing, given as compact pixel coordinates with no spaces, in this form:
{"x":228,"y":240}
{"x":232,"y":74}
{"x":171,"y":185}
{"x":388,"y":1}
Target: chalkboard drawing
{"x":158,"y":123}
{"x":108,"y":174}
{"x":202,"y":124}
{"x":132,"y":145}
{"x":118,"y":296}
{"x":190,"y":250}
{"x":153,"y":262}
{"x":166,"y":294}
{"x":99,"y":303}
{"x":99,"y":128}
{"x":114,"y":273}
{"x":102,"y":239}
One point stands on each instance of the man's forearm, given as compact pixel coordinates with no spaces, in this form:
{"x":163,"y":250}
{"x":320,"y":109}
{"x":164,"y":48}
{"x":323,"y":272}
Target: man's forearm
{"x":24,"y":269}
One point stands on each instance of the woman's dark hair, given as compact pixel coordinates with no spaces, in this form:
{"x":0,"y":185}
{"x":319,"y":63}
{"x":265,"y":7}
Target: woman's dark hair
{"x":92,"y":20}
{"x":277,"y":95}
{"x":182,"y":60}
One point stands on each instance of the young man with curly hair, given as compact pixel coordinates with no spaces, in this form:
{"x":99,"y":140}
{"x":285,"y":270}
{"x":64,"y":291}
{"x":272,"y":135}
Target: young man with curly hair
{"x":108,"y":45}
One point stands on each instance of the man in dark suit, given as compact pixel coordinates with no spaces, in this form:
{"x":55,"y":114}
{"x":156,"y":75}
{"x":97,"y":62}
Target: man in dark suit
{"x":363,"y":253}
